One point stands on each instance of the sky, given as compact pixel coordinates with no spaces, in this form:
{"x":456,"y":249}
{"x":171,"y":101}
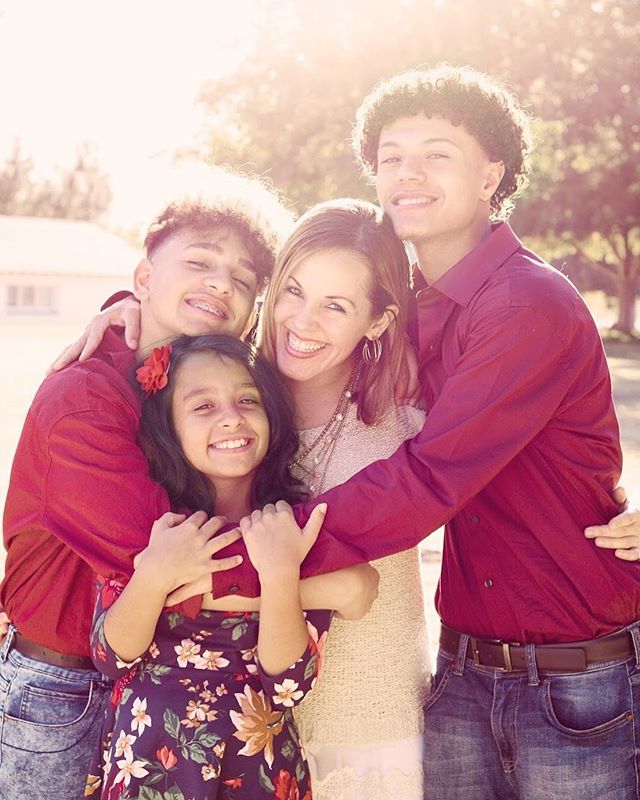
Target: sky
{"x":123,"y":74}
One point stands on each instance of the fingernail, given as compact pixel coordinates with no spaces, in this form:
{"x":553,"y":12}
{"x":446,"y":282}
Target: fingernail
{"x":322,"y":507}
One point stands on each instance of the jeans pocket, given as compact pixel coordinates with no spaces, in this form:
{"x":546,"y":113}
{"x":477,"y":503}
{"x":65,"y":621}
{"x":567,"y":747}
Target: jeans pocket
{"x":438,"y":684}
{"x":589,"y":704}
{"x":48,"y":720}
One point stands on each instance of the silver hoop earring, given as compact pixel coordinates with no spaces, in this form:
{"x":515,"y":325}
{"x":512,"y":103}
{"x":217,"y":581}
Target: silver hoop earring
{"x":368,"y":356}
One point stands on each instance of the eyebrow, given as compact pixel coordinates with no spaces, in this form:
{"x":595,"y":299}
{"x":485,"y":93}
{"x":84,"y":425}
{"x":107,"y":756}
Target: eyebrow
{"x":328,"y":296}
{"x":214,"y":247}
{"x":206,"y":390}
{"x":435,"y":140}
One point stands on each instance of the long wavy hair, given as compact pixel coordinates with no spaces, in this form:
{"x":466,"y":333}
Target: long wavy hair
{"x":185,"y":485}
{"x":361,"y":228}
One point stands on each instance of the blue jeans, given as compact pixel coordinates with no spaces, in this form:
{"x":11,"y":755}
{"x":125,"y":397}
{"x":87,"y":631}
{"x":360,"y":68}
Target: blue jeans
{"x":496,"y":735}
{"x":50,"y":721}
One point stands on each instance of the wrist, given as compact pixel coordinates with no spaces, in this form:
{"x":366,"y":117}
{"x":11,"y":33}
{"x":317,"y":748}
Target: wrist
{"x":153,"y":576}
{"x":280,"y":577}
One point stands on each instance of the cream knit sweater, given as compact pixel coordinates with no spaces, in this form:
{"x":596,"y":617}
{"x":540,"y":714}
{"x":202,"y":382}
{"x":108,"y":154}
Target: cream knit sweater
{"x":375,"y":671}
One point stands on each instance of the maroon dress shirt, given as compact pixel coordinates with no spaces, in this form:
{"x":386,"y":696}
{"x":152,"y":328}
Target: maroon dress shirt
{"x":519,"y":453}
{"x":80,"y":498}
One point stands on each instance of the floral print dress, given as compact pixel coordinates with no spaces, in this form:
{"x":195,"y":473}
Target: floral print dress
{"x":196,"y":717}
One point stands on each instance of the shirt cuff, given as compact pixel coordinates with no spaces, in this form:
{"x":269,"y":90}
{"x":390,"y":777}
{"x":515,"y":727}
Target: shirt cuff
{"x":242,"y":580}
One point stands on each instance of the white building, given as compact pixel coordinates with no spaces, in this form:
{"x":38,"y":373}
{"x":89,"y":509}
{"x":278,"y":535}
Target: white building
{"x":59,"y":271}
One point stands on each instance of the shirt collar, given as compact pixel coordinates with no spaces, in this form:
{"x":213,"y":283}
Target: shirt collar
{"x":462,"y":281}
{"x":114,"y":349}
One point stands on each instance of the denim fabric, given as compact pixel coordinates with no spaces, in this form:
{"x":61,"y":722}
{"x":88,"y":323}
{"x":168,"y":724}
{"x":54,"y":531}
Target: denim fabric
{"x":49,"y":727}
{"x":495,"y":735}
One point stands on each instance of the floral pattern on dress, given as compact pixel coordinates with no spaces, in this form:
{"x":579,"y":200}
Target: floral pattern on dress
{"x":195,"y":717}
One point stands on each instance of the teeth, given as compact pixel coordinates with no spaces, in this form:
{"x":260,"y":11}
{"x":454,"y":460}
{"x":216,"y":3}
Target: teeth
{"x":205,"y":307}
{"x":303,"y":347}
{"x":231,"y":444}
{"x":413,"y":201}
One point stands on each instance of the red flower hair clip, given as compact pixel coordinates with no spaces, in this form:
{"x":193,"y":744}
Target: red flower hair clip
{"x":153,"y":374}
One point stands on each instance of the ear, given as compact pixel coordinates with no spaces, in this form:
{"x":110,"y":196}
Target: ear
{"x":141,"y":278}
{"x":385,"y":319}
{"x":493,"y":175}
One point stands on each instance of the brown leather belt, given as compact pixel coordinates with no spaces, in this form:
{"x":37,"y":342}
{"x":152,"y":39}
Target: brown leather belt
{"x":34,"y":650}
{"x":566,"y":657}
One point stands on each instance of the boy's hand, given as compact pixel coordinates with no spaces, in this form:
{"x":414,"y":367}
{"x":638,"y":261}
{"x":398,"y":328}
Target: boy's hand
{"x":123,"y":314}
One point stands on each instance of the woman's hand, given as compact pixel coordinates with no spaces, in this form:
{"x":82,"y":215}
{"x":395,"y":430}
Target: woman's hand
{"x":123,"y":314}
{"x":621,"y":534}
{"x":407,"y":391}
{"x":360,"y":591}
{"x":4,"y":626}
{"x":274,"y":541}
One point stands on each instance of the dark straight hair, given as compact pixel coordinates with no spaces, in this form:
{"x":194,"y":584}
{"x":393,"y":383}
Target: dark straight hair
{"x":186,"y":486}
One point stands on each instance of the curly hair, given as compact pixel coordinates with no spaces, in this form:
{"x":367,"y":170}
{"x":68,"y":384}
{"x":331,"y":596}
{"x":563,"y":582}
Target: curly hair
{"x":253,"y":209}
{"x":463,"y":96}
{"x":185,"y":485}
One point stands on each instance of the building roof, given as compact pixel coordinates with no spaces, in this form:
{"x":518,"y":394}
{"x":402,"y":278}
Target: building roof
{"x":42,"y":246}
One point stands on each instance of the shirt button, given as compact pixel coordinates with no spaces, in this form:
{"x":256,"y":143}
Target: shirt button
{"x":475,"y":519}
{"x":488,"y":583}
{"x":234,"y":588}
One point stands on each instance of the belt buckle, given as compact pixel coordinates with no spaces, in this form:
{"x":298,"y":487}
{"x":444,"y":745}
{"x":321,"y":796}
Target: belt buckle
{"x":506,"y":654}
{"x":474,"y":651}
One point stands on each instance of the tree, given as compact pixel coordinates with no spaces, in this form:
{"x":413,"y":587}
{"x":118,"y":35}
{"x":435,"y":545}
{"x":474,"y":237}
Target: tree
{"x":289,"y":111}
{"x":587,"y":188}
{"x":80,"y":192}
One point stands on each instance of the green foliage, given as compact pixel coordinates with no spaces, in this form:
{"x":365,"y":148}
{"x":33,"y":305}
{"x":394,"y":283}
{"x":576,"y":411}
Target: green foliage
{"x":573,"y":63}
{"x":171,"y":723}
{"x":265,"y":780}
{"x":80,"y":192}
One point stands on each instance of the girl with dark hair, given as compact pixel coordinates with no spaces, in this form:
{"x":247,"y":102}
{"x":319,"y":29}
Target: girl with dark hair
{"x":202,"y":705}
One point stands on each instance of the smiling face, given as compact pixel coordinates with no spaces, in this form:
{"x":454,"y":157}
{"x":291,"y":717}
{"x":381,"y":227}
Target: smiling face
{"x":435,"y":182}
{"x":220,"y":420}
{"x":321,"y":314}
{"x":196,"y":282}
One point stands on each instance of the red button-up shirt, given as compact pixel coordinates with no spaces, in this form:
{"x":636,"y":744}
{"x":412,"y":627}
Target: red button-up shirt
{"x":519,"y":452}
{"x":80,"y":498}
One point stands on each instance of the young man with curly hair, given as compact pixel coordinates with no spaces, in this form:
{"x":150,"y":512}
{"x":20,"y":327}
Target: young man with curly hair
{"x":520,"y":451}
{"x":537,"y":686}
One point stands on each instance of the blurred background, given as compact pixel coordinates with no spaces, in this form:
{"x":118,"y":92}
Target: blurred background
{"x":102,"y":103}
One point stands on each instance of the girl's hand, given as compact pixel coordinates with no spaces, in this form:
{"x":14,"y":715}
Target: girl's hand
{"x":180,"y":550}
{"x":123,"y":314}
{"x":275,"y":543}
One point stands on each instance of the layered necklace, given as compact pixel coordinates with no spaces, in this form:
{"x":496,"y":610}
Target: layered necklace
{"x":312,"y":463}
